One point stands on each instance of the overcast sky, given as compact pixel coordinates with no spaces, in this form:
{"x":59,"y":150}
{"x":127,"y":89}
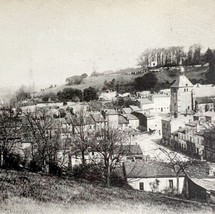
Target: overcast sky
{"x":46,"y":41}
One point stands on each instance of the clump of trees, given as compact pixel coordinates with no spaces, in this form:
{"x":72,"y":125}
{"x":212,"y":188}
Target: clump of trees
{"x":172,"y":56}
{"x":209,"y":57}
{"x":90,"y":94}
{"x":76,"y":79}
{"x":146,"y":82}
{"x":76,"y":95}
{"x":71,"y":94}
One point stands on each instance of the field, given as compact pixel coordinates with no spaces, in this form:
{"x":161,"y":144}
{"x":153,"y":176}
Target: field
{"x":122,"y":76}
{"x":25,"y":192}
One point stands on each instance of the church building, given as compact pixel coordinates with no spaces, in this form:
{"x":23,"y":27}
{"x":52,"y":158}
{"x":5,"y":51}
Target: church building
{"x":181,"y":95}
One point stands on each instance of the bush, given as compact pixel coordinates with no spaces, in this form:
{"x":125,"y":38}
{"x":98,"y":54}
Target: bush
{"x":90,"y":172}
{"x":12,"y":161}
{"x":117,"y":181}
{"x":34,"y":166}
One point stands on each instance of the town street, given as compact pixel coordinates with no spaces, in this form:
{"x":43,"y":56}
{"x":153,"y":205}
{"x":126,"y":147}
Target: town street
{"x":152,"y":149}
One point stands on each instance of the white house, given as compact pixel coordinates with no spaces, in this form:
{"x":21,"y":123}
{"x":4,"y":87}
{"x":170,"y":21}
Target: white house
{"x":161,"y":103}
{"x":153,"y":177}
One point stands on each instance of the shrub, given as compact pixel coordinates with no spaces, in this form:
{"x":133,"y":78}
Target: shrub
{"x":90,"y":172}
{"x":34,"y":166}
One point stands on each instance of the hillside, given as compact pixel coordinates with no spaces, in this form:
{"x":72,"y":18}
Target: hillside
{"x":33,"y":193}
{"x":124,"y":76}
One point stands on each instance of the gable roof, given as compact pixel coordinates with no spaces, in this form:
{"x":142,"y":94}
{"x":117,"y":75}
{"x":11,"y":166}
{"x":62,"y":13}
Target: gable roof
{"x":149,"y":169}
{"x":182,"y":81}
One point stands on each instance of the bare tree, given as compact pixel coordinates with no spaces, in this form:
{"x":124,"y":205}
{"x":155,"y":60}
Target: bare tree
{"x":178,"y":163}
{"x":44,"y":136}
{"x":110,"y":144}
{"x":10,"y":132}
{"x":81,"y":133}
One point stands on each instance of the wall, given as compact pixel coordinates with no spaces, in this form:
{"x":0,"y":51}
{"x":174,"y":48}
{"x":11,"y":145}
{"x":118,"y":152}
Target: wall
{"x":163,"y":184}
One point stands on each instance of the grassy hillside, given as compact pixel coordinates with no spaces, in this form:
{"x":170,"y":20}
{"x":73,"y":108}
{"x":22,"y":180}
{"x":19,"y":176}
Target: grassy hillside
{"x":123,"y":77}
{"x":32,"y":193}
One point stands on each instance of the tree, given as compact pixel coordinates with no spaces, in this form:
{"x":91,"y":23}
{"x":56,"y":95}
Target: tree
{"x":84,"y":75}
{"x":40,"y":130}
{"x":10,"y":133}
{"x":146,"y":82}
{"x":90,"y":94}
{"x":49,"y":96}
{"x":110,"y":144}
{"x":74,"y":80}
{"x":209,"y":57}
{"x":23,"y":94}
{"x":178,"y":164}
{"x":81,"y":133}
{"x":70,"y":94}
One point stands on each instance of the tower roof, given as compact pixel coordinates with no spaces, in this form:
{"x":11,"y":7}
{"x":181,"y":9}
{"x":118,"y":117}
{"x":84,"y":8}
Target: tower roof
{"x":182,"y":81}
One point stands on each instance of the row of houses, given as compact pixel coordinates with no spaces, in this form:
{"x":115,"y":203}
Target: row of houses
{"x":186,"y":134}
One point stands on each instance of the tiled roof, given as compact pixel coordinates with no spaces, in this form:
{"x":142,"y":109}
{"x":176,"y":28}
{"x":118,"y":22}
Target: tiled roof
{"x":148,"y":169}
{"x":182,"y":81}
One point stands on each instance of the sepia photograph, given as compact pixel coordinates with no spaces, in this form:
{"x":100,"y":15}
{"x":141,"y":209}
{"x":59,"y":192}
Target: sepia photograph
{"x":107,"y":106}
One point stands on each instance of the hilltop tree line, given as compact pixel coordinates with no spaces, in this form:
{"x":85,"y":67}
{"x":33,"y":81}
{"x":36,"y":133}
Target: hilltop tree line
{"x":172,"y":56}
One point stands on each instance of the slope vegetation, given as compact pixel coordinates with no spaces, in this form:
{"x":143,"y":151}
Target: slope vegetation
{"x":24,"y":192}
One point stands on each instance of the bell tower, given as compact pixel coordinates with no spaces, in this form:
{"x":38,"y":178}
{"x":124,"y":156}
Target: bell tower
{"x":181,"y":95}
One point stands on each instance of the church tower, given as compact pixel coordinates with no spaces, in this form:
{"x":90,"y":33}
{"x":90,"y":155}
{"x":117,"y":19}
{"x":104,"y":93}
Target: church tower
{"x":181,"y":95}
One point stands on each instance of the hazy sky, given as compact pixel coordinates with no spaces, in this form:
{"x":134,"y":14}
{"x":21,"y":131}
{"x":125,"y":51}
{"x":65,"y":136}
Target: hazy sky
{"x":46,"y":41}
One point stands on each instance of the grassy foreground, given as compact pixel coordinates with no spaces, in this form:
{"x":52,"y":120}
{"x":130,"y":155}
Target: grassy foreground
{"x":23,"y":192}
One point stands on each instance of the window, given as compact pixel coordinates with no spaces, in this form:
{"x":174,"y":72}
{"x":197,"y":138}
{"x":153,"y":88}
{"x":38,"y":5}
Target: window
{"x":171,"y":184}
{"x":141,"y":186}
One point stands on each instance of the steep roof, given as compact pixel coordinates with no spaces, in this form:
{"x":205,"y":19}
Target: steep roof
{"x":182,"y":81}
{"x":148,"y":169}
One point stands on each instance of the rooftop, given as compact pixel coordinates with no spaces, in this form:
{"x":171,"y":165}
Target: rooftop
{"x":131,"y":117}
{"x":201,"y":100}
{"x":145,"y":101}
{"x":135,"y":108}
{"x":148,"y":169}
{"x":122,"y":120}
{"x":182,"y":81}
